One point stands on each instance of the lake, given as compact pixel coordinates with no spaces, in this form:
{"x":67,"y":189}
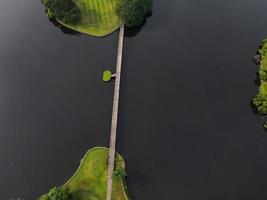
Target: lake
{"x":186,"y":128}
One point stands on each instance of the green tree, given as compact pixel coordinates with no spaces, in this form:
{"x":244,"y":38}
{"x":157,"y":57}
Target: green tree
{"x":73,"y":17}
{"x":119,"y":174}
{"x":57,"y":194}
{"x":260,"y":103}
{"x":133,"y":12}
{"x":263,"y":74}
{"x":63,"y":10}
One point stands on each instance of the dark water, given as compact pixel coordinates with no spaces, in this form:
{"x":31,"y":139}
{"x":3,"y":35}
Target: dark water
{"x":186,"y":128}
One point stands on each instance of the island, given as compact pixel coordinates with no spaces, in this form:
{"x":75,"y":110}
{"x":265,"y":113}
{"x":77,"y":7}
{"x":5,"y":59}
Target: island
{"x":98,"y":17}
{"x":259,"y":102}
{"x":89,"y":181}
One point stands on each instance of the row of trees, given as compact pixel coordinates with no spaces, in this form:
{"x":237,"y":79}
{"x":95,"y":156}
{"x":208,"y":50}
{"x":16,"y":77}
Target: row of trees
{"x":260,"y":101}
{"x":134,"y":12}
{"x":63,"y":10}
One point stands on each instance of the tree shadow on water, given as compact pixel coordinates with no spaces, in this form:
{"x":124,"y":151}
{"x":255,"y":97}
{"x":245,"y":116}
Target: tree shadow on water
{"x":257,"y":80}
{"x":63,"y":29}
{"x":131,"y":32}
{"x":253,"y":108}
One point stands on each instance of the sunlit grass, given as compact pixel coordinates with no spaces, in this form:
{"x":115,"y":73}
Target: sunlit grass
{"x":98,"y":17}
{"x":90,"y":180}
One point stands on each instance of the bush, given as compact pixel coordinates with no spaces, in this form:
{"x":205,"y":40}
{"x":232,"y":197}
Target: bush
{"x":263,"y":74}
{"x":119,"y":174}
{"x":63,"y":10}
{"x":133,"y":12}
{"x":57,"y":194}
{"x":260,"y":103}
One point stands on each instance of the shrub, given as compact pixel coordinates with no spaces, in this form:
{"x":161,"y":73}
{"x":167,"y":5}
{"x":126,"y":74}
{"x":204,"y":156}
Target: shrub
{"x":263,"y":74}
{"x":119,"y":174}
{"x":57,"y":194}
{"x":260,"y":103}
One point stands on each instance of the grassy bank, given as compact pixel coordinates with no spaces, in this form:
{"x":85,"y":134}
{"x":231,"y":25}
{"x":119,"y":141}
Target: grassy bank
{"x":260,"y":101}
{"x":98,"y":17}
{"x":90,"y":180}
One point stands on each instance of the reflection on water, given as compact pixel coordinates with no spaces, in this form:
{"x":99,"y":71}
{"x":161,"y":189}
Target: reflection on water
{"x":64,"y":29}
{"x":185,"y":126}
{"x":131,"y":32}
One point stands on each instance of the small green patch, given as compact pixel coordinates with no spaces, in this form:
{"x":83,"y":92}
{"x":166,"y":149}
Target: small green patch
{"x":107,"y":76}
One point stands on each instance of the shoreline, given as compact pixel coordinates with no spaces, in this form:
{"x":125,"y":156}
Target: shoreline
{"x":88,"y":33}
{"x":85,"y":161}
{"x":259,"y":102}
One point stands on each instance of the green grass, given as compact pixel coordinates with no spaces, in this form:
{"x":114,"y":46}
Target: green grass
{"x":264,"y":62}
{"x":263,"y":89}
{"x":98,"y":17}
{"x":89,"y":182}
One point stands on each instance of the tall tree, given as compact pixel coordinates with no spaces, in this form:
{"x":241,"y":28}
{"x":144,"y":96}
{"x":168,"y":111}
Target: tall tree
{"x":134,"y":12}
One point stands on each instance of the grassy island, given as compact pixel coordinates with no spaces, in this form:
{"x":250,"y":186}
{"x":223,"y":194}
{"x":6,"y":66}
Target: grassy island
{"x":89,"y":181}
{"x":98,"y":17}
{"x":94,"y":17}
{"x":260,"y":101}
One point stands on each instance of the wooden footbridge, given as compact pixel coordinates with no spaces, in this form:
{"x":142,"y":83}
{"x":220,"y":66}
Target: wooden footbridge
{"x":114,"y":122}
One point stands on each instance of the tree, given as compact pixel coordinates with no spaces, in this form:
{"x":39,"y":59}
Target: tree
{"x":260,"y":103}
{"x":133,"y":12}
{"x":57,"y":194}
{"x":63,"y":10}
{"x":73,"y":17}
{"x":119,"y":174}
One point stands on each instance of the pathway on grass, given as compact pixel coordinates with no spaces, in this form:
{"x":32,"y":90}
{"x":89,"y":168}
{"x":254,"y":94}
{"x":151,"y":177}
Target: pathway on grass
{"x":114,"y":122}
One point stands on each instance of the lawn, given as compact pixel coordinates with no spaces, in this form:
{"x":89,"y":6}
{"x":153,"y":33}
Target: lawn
{"x":89,"y":181}
{"x":98,"y":17}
